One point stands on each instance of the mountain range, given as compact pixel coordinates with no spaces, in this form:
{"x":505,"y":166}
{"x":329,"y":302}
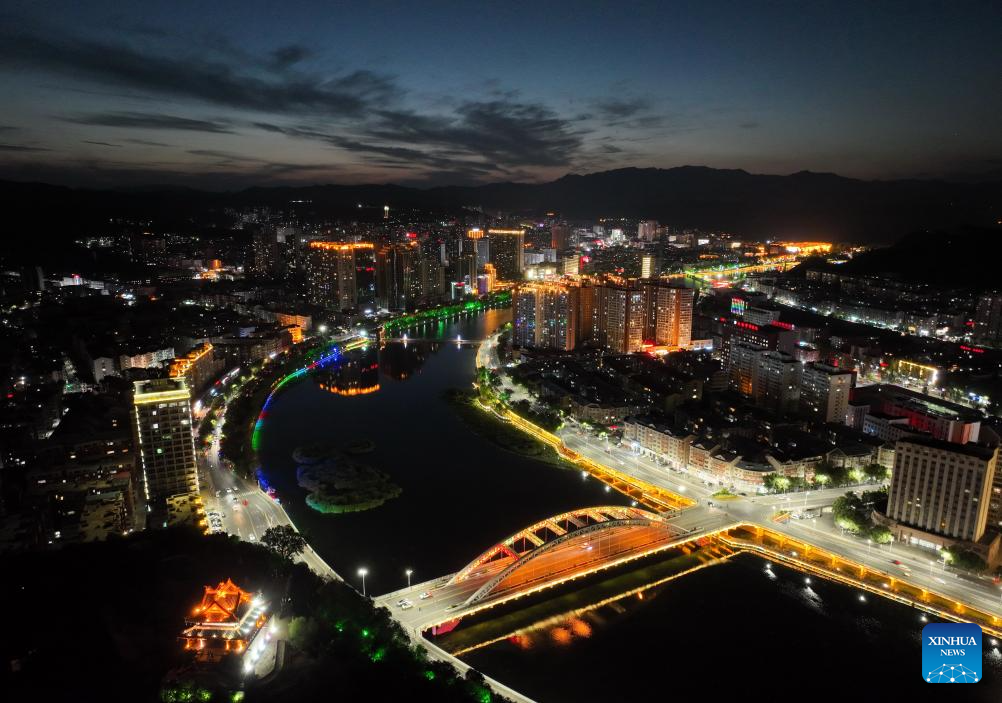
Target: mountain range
{"x":802,"y":205}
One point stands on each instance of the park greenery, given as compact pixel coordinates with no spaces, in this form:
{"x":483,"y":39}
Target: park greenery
{"x":245,"y":397}
{"x":853,"y":513}
{"x":134,"y":594}
{"x":444,"y":312}
{"x":826,"y":475}
{"x":339,"y":484}
{"x":471,"y":410}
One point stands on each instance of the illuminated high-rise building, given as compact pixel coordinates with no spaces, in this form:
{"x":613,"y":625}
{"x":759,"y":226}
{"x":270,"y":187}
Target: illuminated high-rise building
{"x":431,"y":277}
{"x":667,"y":313}
{"x":647,"y":264}
{"x":342,"y":274}
{"x":941,"y":488}
{"x":988,"y":320}
{"x":267,"y":247}
{"x":396,"y":275}
{"x":560,"y":235}
{"x":647,"y":230}
{"x":618,"y":317}
{"x":507,"y":248}
{"x":491,"y":276}
{"x":546,"y":315}
{"x":163,"y":433}
{"x":466,"y":268}
{"x":824,"y":392}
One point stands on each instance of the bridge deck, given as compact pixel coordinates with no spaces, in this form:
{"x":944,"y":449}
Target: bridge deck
{"x":448,"y":601}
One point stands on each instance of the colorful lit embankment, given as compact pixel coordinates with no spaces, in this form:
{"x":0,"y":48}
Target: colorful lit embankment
{"x":472,"y":307}
{"x":654,"y":497}
{"x":333,"y":353}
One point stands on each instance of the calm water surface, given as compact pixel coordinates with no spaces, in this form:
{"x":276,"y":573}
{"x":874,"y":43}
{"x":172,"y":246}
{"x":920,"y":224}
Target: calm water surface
{"x":461,"y":493}
{"x":731,"y":630}
{"x":734,"y":631}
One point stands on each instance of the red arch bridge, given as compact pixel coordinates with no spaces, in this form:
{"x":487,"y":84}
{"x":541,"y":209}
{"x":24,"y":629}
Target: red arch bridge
{"x":552,"y":551}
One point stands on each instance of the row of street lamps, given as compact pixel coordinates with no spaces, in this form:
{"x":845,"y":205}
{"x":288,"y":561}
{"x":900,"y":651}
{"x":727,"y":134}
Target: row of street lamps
{"x":363,"y":572}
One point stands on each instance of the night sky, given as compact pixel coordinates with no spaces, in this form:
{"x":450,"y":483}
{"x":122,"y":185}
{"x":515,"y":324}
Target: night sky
{"x":225,"y":95}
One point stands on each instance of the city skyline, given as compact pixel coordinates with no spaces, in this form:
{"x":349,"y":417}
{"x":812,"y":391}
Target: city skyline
{"x":466,"y":352}
{"x":225,"y":97}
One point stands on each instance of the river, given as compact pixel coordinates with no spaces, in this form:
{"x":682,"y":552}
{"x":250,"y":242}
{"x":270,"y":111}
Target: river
{"x":729,"y":630}
{"x":461,"y":492}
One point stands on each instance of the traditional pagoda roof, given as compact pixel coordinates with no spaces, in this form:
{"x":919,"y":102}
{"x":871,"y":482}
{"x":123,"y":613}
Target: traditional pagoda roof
{"x":226,"y":621}
{"x":227,"y":602}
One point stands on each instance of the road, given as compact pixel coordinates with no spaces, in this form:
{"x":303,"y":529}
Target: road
{"x":247,"y":511}
{"x":572,"y":559}
{"x":917,"y":566}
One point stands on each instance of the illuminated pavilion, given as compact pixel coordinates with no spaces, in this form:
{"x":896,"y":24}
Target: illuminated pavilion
{"x":225,"y":622}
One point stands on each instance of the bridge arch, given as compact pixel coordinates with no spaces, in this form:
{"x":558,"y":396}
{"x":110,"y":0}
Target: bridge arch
{"x":541,"y":538}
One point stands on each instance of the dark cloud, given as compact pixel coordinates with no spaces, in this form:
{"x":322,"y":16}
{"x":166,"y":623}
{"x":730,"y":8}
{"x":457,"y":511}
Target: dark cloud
{"x":286,"y":56}
{"x":146,"y":142}
{"x":226,"y":159}
{"x":207,"y":81}
{"x":21,"y":147}
{"x":619,"y":108}
{"x":749,"y":125}
{"x":145,"y":120}
{"x":480,"y":138}
{"x":507,"y":134}
{"x":96,"y":143}
{"x":357,"y":112}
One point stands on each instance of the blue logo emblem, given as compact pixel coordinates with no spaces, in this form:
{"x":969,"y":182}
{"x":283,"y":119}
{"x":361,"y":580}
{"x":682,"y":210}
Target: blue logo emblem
{"x":951,"y":652}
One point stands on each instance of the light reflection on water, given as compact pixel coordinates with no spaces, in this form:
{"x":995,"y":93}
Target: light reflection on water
{"x":742,"y":617}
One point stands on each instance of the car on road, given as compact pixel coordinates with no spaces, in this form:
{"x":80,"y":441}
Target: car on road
{"x":425,"y":595}
{"x":406,"y":605}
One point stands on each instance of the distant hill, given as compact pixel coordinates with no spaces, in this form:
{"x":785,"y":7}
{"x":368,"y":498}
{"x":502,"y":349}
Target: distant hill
{"x":964,"y":257}
{"x":802,"y":205}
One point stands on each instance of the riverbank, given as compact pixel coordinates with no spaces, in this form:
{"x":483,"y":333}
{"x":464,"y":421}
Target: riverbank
{"x":498,"y":432}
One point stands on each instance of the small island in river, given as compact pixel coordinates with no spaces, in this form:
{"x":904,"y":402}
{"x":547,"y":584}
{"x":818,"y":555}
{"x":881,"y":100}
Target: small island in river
{"x":338,"y":483}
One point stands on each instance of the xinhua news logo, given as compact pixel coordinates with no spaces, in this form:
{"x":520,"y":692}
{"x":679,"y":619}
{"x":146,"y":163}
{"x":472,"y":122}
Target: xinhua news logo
{"x":951,"y":652}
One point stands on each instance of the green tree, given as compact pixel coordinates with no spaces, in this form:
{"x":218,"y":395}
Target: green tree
{"x":881,"y":534}
{"x":876,"y":472}
{"x":776,"y":482}
{"x":965,"y":559}
{"x":304,"y":633}
{"x":849,"y":513}
{"x":284,"y":540}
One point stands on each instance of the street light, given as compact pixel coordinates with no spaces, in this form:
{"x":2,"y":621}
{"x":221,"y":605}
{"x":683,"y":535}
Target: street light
{"x":362,"y":572}
{"x":409,"y":572}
